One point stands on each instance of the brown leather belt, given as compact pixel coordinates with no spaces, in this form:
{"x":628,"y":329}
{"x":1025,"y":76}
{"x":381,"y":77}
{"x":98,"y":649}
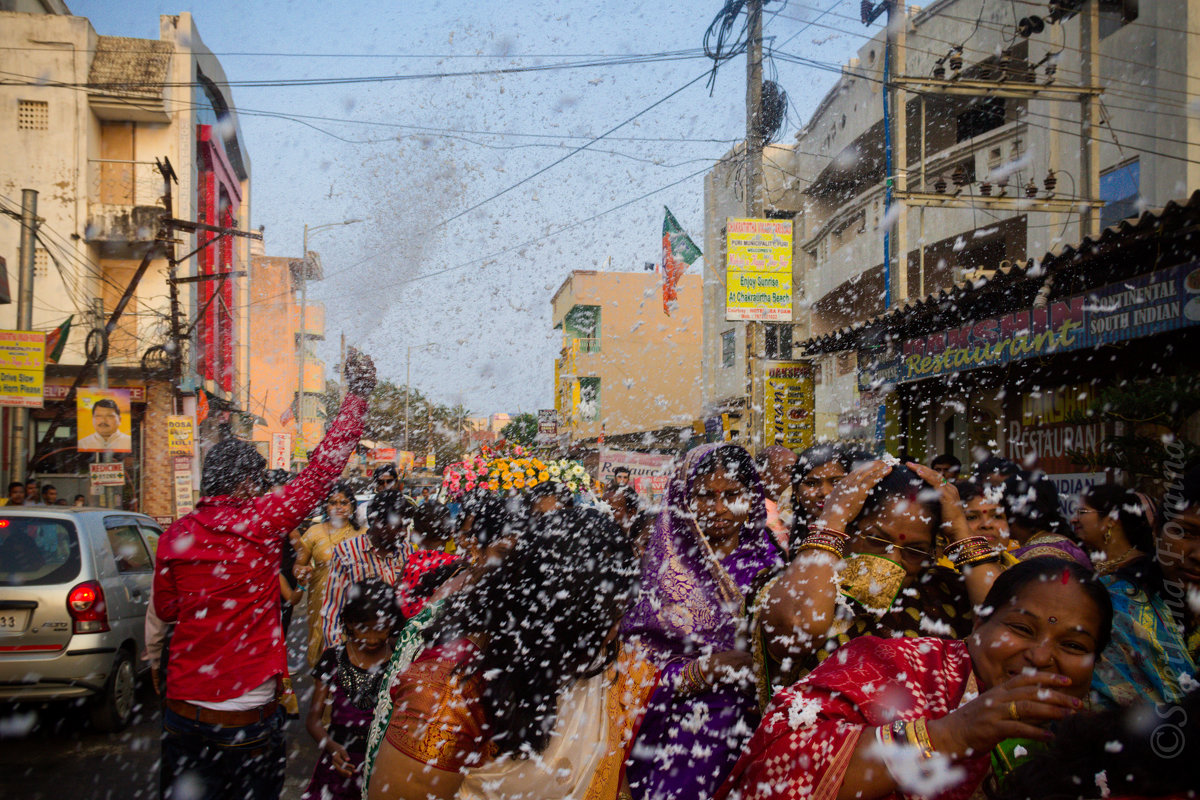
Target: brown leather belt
{"x":233,"y":719}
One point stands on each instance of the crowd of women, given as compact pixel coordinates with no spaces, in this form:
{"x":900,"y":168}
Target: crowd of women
{"x":901,"y":635}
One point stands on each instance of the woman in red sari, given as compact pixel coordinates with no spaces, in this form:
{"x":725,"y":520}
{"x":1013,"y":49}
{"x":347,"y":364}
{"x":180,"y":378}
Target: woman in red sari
{"x":889,"y":718}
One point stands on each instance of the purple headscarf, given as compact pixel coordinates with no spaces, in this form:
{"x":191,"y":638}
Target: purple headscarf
{"x":688,"y":599}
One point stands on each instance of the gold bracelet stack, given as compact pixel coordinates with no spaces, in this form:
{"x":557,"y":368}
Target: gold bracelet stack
{"x":971,"y":551}
{"x":914,"y":733}
{"x":827,"y":539}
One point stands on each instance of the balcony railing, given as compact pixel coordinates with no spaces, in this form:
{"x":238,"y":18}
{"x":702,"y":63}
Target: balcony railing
{"x":124,"y":200}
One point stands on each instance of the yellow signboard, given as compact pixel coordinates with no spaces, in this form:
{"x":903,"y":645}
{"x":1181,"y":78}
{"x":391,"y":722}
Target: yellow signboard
{"x":22,"y":368}
{"x":758,"y":269}
{"x":180,"y":435}
{"x":789,"y":419}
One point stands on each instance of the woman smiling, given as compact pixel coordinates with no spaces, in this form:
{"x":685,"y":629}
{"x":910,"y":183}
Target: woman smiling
{"x":891,"y":717}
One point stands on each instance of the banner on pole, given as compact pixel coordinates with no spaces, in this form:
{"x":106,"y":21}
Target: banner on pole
{"x":281,"y":450}
{"x":107,"y":474}
{"x":758,"y":269}
{"x":103,"y":420}
{"x":181,"y":435}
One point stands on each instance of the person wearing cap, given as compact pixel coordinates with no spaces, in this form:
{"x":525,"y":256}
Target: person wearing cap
{"x":216,"y":577}
{"x":379,"y":554}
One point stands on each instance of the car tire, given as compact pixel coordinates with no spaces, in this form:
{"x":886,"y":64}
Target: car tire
{"x":112,"y":710}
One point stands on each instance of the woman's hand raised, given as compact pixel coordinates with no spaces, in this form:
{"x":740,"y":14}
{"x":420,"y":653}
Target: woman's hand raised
{"x":846,"y":500}
{"x":1019,"y":708}
{"x":954,"y":518}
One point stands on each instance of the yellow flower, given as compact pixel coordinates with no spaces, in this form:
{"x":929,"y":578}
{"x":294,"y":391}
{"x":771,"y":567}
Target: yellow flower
{"x":493,"y":485}
{"x":507,"y":486}
{"x":543,"y":476}
{"x":518,"y":483}
{"x":537,"y":462}
{"x":530,"y":472}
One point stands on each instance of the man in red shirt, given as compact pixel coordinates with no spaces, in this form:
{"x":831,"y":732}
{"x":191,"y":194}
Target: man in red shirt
{"x":217,"y":579}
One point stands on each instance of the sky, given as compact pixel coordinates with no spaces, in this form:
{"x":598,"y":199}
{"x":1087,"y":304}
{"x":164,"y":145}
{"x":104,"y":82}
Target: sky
{"x":448,"y":251}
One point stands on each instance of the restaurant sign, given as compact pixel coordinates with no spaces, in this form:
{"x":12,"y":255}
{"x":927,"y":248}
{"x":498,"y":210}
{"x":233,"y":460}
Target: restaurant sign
{"x":1149,"y":304}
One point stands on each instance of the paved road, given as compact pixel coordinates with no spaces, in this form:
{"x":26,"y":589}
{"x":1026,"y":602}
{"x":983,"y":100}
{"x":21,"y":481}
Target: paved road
{"x":51,"y":753}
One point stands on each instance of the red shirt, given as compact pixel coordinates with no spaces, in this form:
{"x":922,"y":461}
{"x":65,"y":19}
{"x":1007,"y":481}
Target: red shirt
{"x":217,"y":575}
{"x":419,"y":563}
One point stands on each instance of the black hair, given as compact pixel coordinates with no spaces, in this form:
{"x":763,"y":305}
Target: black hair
{"x":368,"y":602}
{"x":492,"y":516}
{"x":1126,"y":507}
{"x":620,"y":471}
{"x":901,"y":483}
{"x":389,"y":506}
{"x":12,"y":484}
{"x":733,"y":460}
{"x":946,"y":459}
{"x":106,"y":403}
{"x":344,"y":488}
{"x":542,"y":616}
{"x":1031,"y":501}
{"x":273,"y":478}
{"x":995,"y":464}
{"x":31,"y":480}
{"x":432,"y":520}
{"x":968,"y":490}
{"x":1143,"y":750}
{"x":548,"y":488}
{"x":1008,"y":584}
{"x":385,"y":469}
{"x":227,"y":464}
{"x":46,"y":486}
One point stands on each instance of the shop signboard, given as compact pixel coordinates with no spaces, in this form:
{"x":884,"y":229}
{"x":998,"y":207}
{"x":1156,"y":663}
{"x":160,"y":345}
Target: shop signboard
{"x":22,"y":368}
{"x":430,"y":461}
{"x":180,"y":435}
{"x":107,"y":474}
{"x":547,"y":430}
{"x":383,"y":455}
{"x":183,"y":485}
{"x":405,"y":460}
{"x":788,"y":416}
{"x":59,"y":391}
{"x":640,"y":465}
{"x":758,"y":269}
{"x":1157,"y":302}
{"x":281,"y":450}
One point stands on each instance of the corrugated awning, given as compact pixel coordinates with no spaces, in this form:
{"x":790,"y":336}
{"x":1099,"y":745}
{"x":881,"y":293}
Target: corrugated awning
{"x":1072,"y":268}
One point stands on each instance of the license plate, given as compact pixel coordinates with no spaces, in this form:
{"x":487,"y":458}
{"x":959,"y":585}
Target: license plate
{"x":14,"y":621}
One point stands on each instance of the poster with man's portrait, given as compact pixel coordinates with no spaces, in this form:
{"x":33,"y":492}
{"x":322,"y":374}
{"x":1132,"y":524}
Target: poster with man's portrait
{"x":103,"y":420}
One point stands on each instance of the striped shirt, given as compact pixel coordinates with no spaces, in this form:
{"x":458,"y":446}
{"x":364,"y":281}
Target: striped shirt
{"x":353,"y":560}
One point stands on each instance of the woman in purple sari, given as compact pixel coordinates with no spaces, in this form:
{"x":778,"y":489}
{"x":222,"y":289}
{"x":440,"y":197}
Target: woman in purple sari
{"x":708,"y":544}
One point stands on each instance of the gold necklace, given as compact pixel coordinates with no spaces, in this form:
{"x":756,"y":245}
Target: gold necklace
{"x":1110,"y":564}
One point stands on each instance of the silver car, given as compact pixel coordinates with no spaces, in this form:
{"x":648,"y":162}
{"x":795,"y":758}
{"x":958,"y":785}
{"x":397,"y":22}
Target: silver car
{"x":74,"y":589}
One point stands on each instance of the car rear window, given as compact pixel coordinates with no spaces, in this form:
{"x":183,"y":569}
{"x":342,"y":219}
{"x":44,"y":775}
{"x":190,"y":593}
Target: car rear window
{"x":37,"y":551}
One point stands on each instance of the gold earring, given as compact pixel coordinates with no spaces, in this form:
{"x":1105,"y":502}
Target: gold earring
{"x":1108,"y":534}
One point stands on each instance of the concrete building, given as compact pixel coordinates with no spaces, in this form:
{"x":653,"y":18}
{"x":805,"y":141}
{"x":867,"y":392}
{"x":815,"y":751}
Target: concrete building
{"x":274,"y":360}
{"x":625,"y":366}
{"x":972,"y":149}
{"x":83,"y":119}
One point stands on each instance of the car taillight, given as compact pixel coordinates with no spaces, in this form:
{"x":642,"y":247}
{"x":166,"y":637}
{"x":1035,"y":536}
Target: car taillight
{"x":85,"y":604}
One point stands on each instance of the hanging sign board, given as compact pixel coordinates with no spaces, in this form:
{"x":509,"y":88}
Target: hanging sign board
{"x":183,"y":486}
{"x":180,"y":435}
{"x":22,"y":368}
{"x":281,"y":450}
{"x":108,"y":474}
{"x":788,"y":414}
{"x":758,"y":269}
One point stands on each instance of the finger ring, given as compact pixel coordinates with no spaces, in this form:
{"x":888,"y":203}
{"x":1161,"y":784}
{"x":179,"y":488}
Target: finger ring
{"x":1012,"y":710}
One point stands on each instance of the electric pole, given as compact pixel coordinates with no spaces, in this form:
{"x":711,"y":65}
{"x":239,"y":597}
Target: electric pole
{"x":755,"y":192}
{"x":20,"y":427}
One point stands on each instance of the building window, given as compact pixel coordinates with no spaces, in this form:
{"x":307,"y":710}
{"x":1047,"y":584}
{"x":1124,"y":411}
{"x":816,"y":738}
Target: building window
{"x":582,"y":323}
{"x":33,"y":115}
{"x":728,"y":347}
{"x":589,"y":399}
{"x":981,"y":117}
{"x":1116,"y":14}
{"x":1119,"y":191}
{"x":779,"y":342}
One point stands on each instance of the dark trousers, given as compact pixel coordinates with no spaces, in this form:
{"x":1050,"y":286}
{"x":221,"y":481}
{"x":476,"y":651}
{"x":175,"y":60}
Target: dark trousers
{"x":217,"y":762}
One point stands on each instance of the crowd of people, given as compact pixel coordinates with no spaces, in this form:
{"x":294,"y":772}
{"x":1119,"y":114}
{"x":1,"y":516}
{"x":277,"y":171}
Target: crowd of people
{"x":826,"y":624}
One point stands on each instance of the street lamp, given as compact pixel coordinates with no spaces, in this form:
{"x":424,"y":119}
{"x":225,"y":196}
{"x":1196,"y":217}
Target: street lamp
{"x":301,"y":337}
{"x":408,"y":384}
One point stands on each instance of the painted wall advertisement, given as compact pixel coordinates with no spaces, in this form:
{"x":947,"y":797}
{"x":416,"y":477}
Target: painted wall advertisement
{"x":758,"y":269}
{"x":103,"y":420}
{"x":788,"y":416}
{"x":1160,"y":301}
{"x":22,"y":368}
